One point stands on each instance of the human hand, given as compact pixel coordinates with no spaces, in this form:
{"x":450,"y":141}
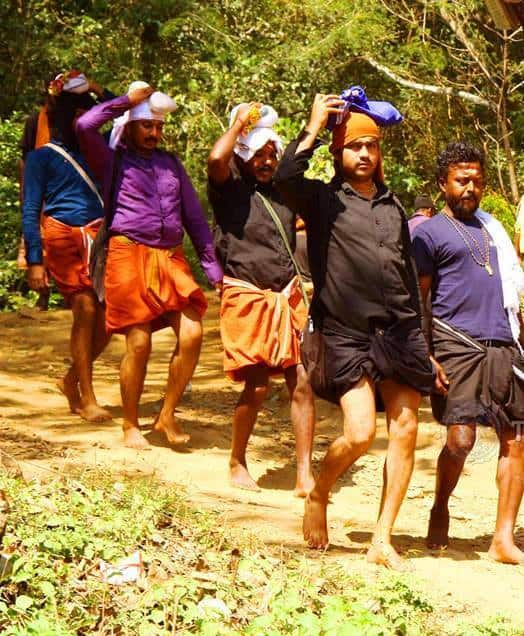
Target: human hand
{"x":441,"y":379}
{"x":219,"y":288}
{"x":138,"y":95}
{"x":95,"y":88}
{"x":243,"y":114}
{"x":37,"y":278}
{"x":323,"y":107}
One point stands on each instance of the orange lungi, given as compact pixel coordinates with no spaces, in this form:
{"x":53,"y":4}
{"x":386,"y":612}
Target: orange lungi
{"x":67,"y":251}
{"x":144,"y":283}
{"x":260,"y":326}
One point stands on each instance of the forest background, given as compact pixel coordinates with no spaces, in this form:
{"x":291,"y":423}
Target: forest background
{"x":443,"y":64}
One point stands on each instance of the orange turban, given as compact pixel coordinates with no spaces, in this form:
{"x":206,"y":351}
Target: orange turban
{"x":354,"y":126}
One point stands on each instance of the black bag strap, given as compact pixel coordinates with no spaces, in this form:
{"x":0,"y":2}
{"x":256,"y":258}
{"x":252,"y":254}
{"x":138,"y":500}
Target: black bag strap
{"x":278,"y":223}
{"x":110,"y":209}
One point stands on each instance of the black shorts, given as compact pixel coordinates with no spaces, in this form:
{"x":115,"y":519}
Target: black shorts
{"x":399,"y":353}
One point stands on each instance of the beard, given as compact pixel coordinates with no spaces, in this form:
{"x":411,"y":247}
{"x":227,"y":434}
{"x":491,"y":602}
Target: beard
{"x":463,"y":208}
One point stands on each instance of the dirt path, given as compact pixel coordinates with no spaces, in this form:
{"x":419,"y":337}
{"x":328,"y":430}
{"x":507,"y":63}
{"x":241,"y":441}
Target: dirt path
{"x":36,"y":427}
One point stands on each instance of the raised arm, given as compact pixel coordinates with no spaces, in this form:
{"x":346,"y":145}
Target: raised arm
{"x":218,"y":169}
{"x":92,"y":143}
{"x":299,"y":193}
{"x":197,"y":227}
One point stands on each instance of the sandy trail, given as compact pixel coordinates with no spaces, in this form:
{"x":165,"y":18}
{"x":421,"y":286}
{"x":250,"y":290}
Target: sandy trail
{"x":38,"y":430}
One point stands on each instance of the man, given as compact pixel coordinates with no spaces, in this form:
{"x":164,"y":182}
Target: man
{"x":148,"y":282}
{"x":467,"y":261}
{"x":365,"y":307}
{"x":262,"y":310}
{"x":37,"y":133}
{"x":424,"y":210}
{"x":72,"y":215}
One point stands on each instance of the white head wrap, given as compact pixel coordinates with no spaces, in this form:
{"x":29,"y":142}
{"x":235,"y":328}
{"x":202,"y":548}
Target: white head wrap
{"x":78,"y":84}
{"x":156,"y":107}
{"x":247,"y":145}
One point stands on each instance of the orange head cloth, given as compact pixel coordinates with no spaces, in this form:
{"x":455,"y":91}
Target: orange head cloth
{"x":354,"y":126}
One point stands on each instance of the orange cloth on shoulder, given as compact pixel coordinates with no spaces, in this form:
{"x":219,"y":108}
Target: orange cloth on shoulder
{"x":67,"y":251}
{"x":260,"y":326}
{"x":354,"y":126}
{"x":43,"y":133}
{"x":143,"y":283}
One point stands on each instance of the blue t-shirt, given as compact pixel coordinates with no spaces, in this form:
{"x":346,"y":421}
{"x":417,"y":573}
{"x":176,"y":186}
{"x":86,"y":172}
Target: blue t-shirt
{"x":51,"y":180}
{"x":463,"y":294}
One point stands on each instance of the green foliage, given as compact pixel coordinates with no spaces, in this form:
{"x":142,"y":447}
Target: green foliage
{"x":503,"y":211}
{"x":200,"y":577}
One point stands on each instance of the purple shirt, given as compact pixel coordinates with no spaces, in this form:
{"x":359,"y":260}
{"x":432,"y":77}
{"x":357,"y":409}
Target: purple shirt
{"x":155,"y":200}
{"x":416,"y":220}
{"x":463,"y":294}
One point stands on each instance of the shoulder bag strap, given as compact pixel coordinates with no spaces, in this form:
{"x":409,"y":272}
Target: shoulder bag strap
{"x":282,"y":232}
{"x":78,"y":168}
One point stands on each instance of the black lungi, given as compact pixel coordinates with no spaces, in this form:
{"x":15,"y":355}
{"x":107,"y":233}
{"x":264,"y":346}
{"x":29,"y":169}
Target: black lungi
{"x":484,"y":383}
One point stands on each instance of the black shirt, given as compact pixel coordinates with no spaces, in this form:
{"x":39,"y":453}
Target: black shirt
{"x":248,"y":244}
{"x":359,"y":249}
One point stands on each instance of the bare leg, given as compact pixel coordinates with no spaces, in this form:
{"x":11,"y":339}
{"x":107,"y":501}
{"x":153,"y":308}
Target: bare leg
{"x":132,"y":375}
{"x":402,"y":404}
{"x":68,"y":385}
{"x":303,"y":420}
{"x":84,"y":306}
{"x":460,"y":440}
{"x":358,"y":408}
{"x":510,"y":480}
{"x":244,"y":418}
{"x":187,"y":326}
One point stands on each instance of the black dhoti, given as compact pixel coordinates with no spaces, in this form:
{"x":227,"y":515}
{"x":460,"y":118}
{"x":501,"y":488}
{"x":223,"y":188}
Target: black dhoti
{"x":484,"y":383}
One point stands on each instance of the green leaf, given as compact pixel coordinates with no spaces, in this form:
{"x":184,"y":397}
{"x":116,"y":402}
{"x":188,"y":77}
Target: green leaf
{"x":23,"y":602}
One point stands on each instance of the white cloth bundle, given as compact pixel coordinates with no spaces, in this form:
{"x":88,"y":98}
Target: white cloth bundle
{"x":511,"y":273}
{"x":156,"y":107}
{"x":247,"y":145}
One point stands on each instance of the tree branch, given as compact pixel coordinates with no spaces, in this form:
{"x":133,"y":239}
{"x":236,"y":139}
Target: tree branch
{"x":440,"y":90}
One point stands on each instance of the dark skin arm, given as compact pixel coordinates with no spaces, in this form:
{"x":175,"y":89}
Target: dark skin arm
{"x":218,"y":169}
{"x":441,"y":381}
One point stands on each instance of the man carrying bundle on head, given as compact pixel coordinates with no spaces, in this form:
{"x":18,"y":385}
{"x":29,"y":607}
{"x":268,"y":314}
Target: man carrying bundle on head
{"x":263,"y":308}
{"x":467,"y":260}
{"x":57,"y":177}
{"x":150,"y":201}
{"x":364,"y":339}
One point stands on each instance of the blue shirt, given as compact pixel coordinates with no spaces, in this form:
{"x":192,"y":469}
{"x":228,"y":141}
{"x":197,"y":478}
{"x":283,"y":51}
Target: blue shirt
{"x":463,"y":294}
{"x":50,"y":180}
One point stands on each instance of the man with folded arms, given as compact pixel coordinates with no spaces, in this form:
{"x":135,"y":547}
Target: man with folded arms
{"x":150,"y":201}
{"x":366,"y":304}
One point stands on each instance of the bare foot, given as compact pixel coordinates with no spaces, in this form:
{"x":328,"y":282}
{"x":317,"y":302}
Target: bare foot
{"x":314,"y":525}
{"x":71,"y":392}
{"x":382,"y":553}
{"x":94,"y":413}
{"x":239,"y":477}
{"x":133,"y":438}
{"x":505,"y":552}
{"x":304,"y":486}
{"x":170,"y":428}
{"x":438,"y":530}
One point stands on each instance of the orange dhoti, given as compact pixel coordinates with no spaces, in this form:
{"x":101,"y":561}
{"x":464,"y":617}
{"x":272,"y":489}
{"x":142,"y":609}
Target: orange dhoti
{"x":143,"y":283}
{"x":67,"y":251}
{"x":260,"y":326}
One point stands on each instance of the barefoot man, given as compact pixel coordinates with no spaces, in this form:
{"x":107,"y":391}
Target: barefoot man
{"x":466,"y":259}
{"x":262,"y":310}
{"x":148,"y":282}
{"x":365,"y":310}
{"x":56,"y":176}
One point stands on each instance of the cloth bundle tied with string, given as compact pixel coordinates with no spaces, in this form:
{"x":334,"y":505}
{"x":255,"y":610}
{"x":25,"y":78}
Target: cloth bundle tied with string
{"x":262,"y":131}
